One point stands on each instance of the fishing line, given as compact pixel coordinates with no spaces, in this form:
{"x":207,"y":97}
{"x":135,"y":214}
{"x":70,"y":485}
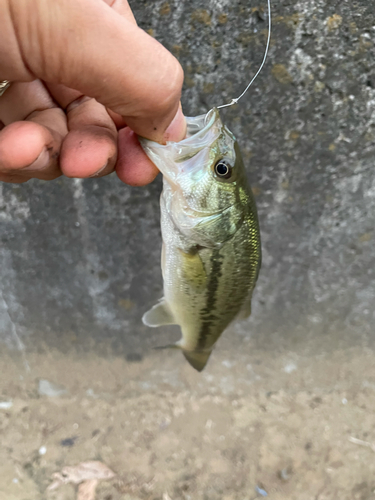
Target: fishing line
{"x":235,"y":101}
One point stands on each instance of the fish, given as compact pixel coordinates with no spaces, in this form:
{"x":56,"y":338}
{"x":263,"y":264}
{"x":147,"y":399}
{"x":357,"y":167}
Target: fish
{"x":211,"y":252}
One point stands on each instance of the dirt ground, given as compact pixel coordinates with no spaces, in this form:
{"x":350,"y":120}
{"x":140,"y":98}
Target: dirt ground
{"x":254,"y":424}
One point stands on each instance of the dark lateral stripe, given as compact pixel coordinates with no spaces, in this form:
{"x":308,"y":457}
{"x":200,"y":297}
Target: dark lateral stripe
{"x":207,"y":314}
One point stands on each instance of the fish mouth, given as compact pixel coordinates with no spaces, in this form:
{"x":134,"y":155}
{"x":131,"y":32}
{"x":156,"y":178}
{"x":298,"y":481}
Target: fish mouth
{"x":202,"y":132}
{"x":196,"y":128}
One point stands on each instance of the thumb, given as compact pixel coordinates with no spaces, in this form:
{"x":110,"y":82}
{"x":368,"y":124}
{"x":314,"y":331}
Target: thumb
{"x":87,"y":46}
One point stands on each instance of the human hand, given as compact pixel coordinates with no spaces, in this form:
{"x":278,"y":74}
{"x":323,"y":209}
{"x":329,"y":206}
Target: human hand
{"x":125,"y":83}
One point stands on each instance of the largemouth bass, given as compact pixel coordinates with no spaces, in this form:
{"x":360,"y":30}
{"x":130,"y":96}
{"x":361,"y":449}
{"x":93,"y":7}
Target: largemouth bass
{"x":211,"y":251}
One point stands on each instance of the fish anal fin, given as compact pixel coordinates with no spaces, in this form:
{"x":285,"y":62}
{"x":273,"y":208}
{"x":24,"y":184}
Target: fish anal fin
{"x":159,"y":315}
{"x":197,"y":359}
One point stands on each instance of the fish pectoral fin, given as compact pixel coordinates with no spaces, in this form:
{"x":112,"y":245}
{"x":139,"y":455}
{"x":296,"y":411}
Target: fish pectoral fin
{"x":192,"y":269}
{"x":159,"y":315}
{"x":197,"y":359}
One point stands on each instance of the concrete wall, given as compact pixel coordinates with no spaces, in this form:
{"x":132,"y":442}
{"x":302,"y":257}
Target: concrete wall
{"x":80,"y":259}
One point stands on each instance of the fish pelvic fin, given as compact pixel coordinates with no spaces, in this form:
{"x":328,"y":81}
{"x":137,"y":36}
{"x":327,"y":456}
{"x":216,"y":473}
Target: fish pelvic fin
{"x":197,"y":359}
{"x":168,"y":346}
{"x":159,"y":315}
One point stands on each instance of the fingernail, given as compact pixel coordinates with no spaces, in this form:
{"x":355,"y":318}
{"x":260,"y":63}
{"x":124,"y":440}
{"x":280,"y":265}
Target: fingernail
{"x":99,"y":171}
{"x":41,"y":162}
{"x":177,"y":129}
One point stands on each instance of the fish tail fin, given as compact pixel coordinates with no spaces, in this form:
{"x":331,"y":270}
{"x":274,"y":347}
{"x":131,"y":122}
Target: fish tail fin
{"x":197,"y":359}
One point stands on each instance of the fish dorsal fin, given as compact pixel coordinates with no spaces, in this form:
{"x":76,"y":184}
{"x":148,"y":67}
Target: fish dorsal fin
{"x":197,"y":359}
{"x":159,"y":315}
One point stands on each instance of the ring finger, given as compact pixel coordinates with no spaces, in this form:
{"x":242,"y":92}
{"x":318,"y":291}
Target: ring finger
{"x":34,"y":129}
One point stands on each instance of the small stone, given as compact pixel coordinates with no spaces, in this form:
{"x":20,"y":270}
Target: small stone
{"x":261,"y":491}
{"x":290,"y":367}
{"x":46,"y":388}
{"x":134,"y":357}
{"x":6,"y":405}
{"x":285,"y":474}
{"x":68,"y":442}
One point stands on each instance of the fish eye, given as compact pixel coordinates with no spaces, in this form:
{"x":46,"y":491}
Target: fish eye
{"x":223,"y":169}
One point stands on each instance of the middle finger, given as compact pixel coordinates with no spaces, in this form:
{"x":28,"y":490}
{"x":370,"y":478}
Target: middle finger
{"x":90,"y":148}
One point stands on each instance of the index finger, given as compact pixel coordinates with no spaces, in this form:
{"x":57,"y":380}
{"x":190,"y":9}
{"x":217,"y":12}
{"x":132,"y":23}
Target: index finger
{"x":88,"y":46}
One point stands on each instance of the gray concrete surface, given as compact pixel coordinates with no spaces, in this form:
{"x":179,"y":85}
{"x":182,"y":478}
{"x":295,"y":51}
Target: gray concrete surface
{"x":80,"y":260}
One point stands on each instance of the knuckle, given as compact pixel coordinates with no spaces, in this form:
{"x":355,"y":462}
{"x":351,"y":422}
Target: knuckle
{"x":170,"y":90}
{"x":162,"y":91}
